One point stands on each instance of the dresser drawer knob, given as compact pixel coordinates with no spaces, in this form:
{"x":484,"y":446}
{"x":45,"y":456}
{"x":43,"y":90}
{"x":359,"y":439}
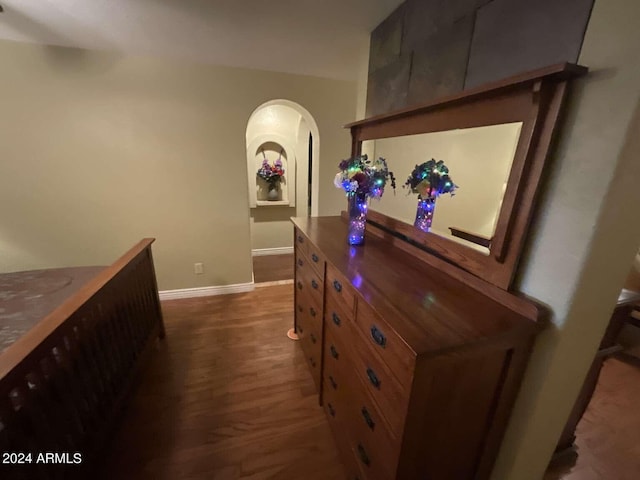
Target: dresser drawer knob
{"x":300,"y":328}
{"x":300,"y":239}
{"x":337,"y":285}
{"x":300,"y":309}
{"x":367,"y":418}
{"x":314,"y":284}
{"x":299,"y":285}
{"x":313,"y":338}
{"x":373,"y":378}
{"x":314,"y":257}
{"x":300,"y":262}
{"x":336,"y":319}
{"x":312,"y":311}
{"x":331,"y":410}
{"x":362,"y":453}
{"x":333,"y":382}
{"x":313,"y":362}
{"x":334,"y":352}
{"x":378,"y":336}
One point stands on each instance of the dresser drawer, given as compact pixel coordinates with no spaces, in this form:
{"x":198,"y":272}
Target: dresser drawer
{"x":301,"y":242}
{"x":339,"y":289}
{"x":371,"y":466}
{"x":311,"y":344}
{"x":316,"y":259}
{"x":365,"y":418}
{"x":385,"y":343}
{"x":306,"y":303}
{"x":380,"y":384}
{"x":308,"y":281}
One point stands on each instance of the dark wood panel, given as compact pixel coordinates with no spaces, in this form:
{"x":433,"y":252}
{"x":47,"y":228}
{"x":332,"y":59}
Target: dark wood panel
{"x":512,"y":36}
{"x":439,"y":63}
{"x":386,"y":40}
{"x":388,"y":86}
{"x":64,"y":383}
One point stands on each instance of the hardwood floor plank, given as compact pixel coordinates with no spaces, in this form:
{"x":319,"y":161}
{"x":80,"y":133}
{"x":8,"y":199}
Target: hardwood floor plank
{"x":226,"y":396}
{"x":271,"y":268}
{"x":608,"y":435}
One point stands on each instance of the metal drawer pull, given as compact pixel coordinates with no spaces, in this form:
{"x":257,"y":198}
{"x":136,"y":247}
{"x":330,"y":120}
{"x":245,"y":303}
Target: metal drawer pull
{"x":299,"y":285}
{"x":313,"y":362}
{"x":314,"y":257}
{"x":367,"y":418}
{"x":312,"y":311}
{"x":333,"y":382}
{"x":331,"y":410}
{"x":337,"y":285}
{"x":300,"y":309}
{"x":300,"y":328}
{"x":378,"y":336}
{"x":300,"y":238}
{"x":364,"y":458}
{"x":334,"y":352}
{"x":336,"y":319}
{"x":313,"y":338}
{"x":373,"y":378}
{"x":300,"y":262}
{"x":314,"y":284}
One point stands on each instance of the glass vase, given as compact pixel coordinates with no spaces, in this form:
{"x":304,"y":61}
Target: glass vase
{"x":357,"y":208}
{"x":273,"y":193}
{"x":424,"y":213}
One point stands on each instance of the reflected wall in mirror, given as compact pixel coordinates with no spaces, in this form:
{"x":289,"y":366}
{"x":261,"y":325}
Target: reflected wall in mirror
{"x":479,"y":161}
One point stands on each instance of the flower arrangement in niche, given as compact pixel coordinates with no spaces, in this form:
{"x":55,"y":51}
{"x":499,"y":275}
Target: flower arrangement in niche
{"x":362,"y":179}
{"x":272,"y":174}
{"x":429,"y":180}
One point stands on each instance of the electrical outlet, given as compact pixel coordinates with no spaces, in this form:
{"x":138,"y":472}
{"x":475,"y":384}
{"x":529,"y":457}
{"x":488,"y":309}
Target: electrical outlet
{"x":198,"y":268}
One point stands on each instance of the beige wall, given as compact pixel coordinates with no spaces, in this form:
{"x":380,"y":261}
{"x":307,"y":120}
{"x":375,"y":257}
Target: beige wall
{"x":98,"y":150}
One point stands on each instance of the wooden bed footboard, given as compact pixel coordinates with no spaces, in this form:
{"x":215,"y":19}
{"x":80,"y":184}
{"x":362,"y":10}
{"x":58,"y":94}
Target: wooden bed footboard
{"x":63,"y":383}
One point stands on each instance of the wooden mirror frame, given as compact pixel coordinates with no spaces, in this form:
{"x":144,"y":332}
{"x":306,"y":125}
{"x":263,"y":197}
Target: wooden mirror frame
{"x":534,"y":98}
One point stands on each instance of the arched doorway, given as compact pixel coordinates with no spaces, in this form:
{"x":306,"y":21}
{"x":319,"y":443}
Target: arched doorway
{"x":283,"y":131}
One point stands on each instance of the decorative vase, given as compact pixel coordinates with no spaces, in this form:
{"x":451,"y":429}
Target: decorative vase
{"x":357,"y":204}
{"x":273,"y":193}
{"x":424,"y":213}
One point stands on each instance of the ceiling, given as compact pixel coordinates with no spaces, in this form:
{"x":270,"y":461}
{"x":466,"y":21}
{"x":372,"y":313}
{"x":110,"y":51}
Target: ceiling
{"x":324,"y":38}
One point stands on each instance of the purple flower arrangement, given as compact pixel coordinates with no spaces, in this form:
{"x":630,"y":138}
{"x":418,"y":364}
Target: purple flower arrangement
{"x":430,"y":180}
{"x":362,"y":176}
{"x":272,"y":174}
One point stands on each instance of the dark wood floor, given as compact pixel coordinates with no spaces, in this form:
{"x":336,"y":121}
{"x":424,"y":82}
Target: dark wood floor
{"x":608,"y":436}
{"x":271,"y":268}
{"x":226,"y":396}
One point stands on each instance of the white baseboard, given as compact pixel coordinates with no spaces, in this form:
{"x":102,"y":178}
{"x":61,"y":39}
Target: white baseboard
{"x":275,"y":283}
{"x":206,"y":291}
{"x":260,"y":252}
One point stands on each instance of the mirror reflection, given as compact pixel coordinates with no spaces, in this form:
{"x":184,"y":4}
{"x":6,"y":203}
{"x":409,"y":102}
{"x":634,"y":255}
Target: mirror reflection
{"x":479,"y":160}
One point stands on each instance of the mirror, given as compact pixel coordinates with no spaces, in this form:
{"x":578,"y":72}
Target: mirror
{"x":479,"y":161}
{"x":494,"y":140}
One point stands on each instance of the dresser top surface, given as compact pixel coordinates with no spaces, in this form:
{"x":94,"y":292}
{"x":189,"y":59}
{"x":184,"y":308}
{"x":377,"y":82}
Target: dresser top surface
{"x":431,"y":310}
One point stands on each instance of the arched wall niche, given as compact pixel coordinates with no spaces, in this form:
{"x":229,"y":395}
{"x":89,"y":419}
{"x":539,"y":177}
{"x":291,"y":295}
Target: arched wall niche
{"x":272,"y":148}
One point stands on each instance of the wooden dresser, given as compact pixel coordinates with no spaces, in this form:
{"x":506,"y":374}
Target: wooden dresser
{"x":417,"y":363}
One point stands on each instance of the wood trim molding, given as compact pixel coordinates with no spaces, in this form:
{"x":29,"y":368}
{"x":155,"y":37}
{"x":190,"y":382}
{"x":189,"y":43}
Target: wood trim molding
{"x":262,"y":252}
{"x":206,"y":291}
{"x":533,"y":98}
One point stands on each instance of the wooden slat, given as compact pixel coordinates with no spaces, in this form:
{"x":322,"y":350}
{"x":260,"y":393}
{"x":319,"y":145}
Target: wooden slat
{"x":63,"y":383}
